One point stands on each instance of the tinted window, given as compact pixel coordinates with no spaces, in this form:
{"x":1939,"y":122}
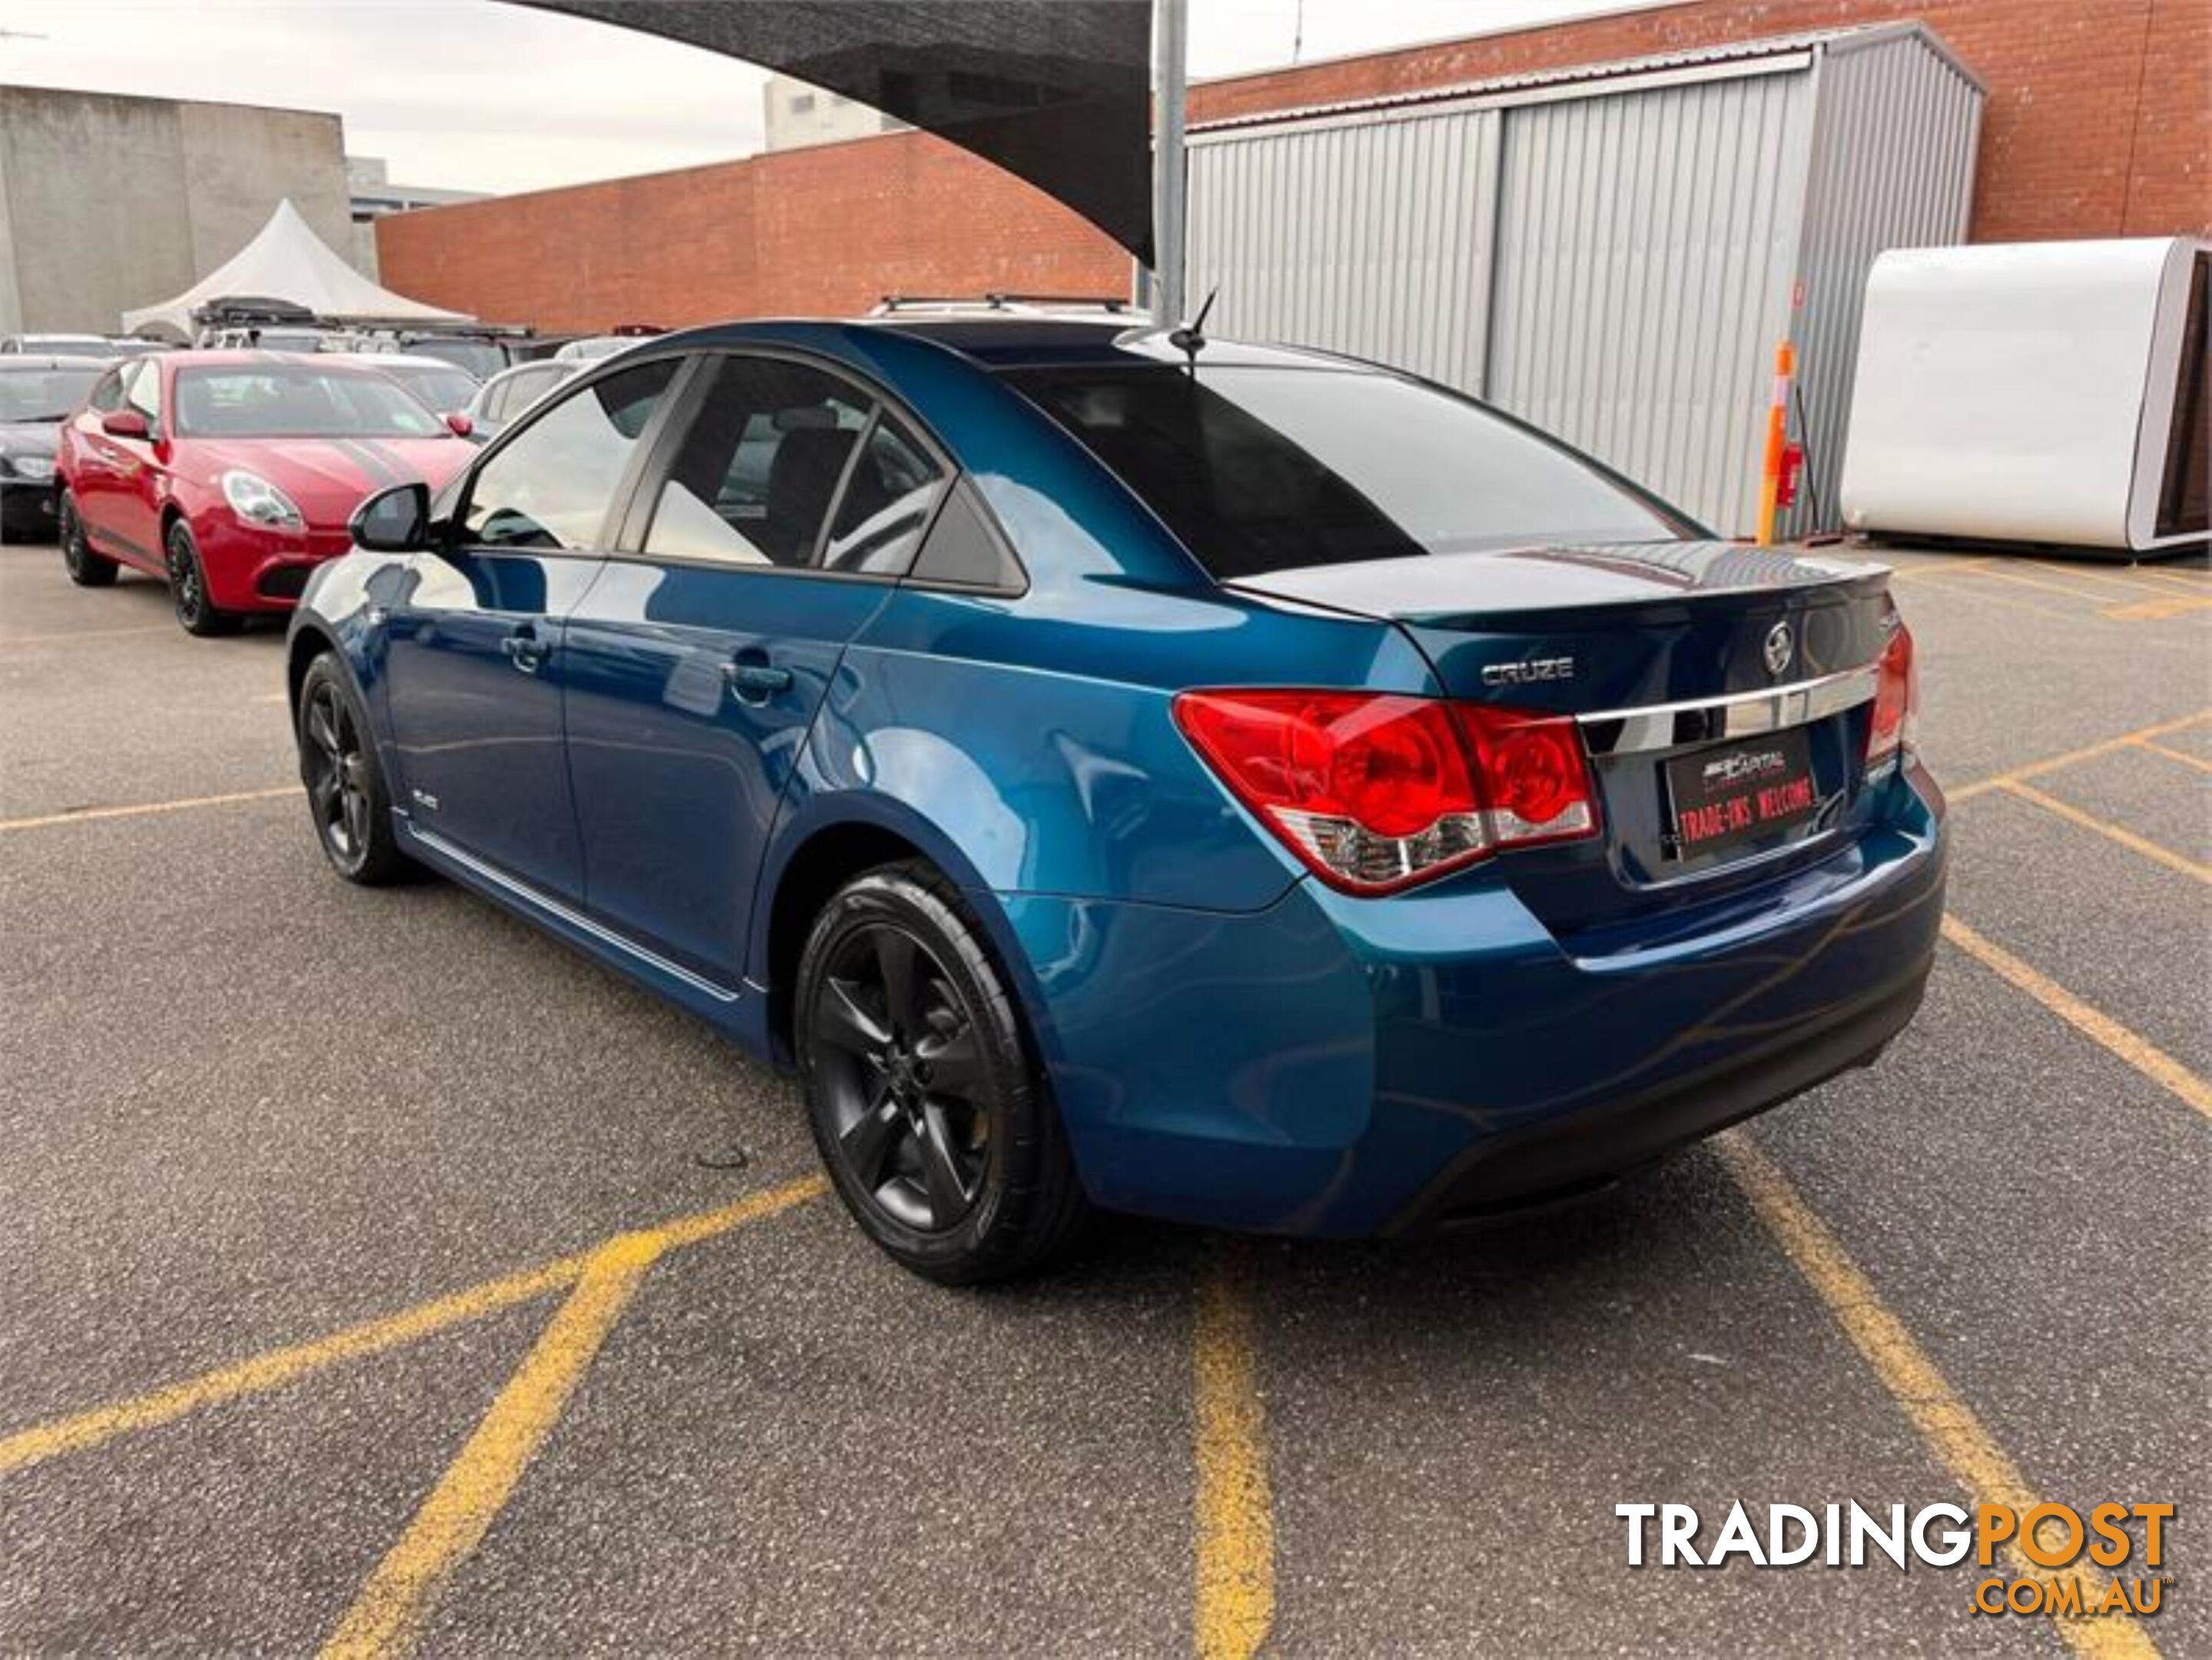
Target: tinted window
{"x":280,"y":400}
{"x":43,"y":394}
{"x":889,"y":496}
{"x":965,"y":551}
{"x":1266,"y":468}
{"x":754,"y":478}
{"x":552,"y":487}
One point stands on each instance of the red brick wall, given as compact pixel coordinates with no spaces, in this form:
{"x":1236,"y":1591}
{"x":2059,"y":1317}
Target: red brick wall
{"x":2099,"y":123}
{"x":827,"y":231}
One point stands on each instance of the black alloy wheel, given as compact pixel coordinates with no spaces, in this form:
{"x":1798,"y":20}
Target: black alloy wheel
{"x":937,"y":1130}
{"x":345,"y":791}
{"x":86,"y":568}
{"x":188,"y":585}
{"x":910,"y":1100}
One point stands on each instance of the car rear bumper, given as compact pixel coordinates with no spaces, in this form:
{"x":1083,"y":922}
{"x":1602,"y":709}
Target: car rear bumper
{"x":1337,"y":1066}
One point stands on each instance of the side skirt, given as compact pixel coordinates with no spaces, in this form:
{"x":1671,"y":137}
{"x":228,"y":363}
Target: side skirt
{"x":739,"y":1013}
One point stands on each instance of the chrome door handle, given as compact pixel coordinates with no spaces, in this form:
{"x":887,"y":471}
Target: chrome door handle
{"x":525,"y":652}
{"x":754,"y":683}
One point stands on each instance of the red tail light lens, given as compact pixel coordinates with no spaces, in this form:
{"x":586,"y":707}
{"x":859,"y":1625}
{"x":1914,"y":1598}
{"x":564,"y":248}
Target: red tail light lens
{"x":1896,"y":704}
{"x":1375,"y":791}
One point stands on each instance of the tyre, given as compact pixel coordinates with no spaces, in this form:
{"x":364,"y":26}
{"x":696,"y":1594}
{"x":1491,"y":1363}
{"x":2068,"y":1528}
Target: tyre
{"x":86,"y":568}
{"x":188,"y":585}
{"x":930,"y":1116}
{"x":346,"y":793}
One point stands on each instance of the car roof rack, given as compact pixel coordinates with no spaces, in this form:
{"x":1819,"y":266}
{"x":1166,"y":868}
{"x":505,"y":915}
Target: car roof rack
{"x":1011,"y":304}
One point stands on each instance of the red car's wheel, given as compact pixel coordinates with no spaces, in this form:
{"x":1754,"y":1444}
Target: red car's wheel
{"x":188,"y":587}
{"x":87,"y":569}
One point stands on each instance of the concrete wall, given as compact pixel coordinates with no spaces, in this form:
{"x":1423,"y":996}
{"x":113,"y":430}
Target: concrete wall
{"x":114,"y":202}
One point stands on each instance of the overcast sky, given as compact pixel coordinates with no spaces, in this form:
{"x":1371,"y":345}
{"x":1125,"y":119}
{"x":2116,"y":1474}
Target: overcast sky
{"x":474,"y":95}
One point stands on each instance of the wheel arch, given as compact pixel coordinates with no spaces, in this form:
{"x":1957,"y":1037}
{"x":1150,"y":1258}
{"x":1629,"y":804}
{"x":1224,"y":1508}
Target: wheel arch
{"x":831,"y":839}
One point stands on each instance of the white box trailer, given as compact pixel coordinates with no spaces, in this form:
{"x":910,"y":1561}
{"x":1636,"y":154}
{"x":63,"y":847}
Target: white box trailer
{"x":2051,"y":393}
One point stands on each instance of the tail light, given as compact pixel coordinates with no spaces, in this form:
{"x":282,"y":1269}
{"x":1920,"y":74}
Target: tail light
{"x":1895,"y":729}
{"x":1375,"y":791}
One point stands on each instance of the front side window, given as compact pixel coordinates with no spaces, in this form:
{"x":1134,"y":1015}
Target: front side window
{"x":551,"y":486}
{"x":143,"y":392}
{"x":752,"y":482}
{"x":280,"y":400}
{"x":1258,"y":470}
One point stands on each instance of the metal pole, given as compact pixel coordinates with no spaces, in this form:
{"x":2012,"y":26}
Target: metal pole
{"x":1170,"y":44}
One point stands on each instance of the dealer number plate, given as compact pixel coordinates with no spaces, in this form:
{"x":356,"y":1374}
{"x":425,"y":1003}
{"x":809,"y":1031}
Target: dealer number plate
{"x":1732,"y":794}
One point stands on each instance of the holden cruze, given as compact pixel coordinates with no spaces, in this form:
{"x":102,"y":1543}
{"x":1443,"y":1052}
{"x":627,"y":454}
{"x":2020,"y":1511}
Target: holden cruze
{"x":232,"y":474}
{"x":1120,"y":769}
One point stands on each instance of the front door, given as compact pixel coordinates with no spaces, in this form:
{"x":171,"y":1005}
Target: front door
{"x":768,"y":530}
{"x":477,"y":664}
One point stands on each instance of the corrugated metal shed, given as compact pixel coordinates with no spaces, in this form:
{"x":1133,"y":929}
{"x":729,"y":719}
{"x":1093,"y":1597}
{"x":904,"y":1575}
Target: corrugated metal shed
{"x":1611,"y":252}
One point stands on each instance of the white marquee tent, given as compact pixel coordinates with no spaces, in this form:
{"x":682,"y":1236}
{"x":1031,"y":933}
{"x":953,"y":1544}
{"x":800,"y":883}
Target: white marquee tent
{"x":286,"y":261}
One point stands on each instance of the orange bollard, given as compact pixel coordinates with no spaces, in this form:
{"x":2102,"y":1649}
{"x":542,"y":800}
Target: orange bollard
{"x":1778,"y":430}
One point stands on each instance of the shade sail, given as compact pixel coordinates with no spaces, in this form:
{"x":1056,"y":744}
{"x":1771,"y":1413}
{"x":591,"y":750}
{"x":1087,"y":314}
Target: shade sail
{"x":1056,"y":92}
{"x":286,"y":261}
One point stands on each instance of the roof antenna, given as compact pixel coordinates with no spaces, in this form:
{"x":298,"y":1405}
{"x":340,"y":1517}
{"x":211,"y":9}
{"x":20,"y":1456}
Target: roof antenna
{"x":1190,"y":338}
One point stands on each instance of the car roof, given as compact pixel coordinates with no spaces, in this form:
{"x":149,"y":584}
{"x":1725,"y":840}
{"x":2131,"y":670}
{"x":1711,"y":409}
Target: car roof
{"x":1016,"y":340}
{"x":35,"y":360}
{"x":381,"y":360}
{"x":245,"y":356}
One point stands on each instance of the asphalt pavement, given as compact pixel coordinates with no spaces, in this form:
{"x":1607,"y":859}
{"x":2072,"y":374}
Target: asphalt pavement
{"x":374,"y":1268}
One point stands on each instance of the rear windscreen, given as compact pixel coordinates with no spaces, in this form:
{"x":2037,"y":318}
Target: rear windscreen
{"x":1259,"y":469}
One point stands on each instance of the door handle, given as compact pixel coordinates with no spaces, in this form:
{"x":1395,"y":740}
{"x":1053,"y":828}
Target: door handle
{"x":753,"y":682}
{"x":526,"y":652}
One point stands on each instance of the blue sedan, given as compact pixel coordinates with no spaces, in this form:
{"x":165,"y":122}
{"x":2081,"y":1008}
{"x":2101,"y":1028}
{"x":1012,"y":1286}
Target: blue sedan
{"x":1118,"y":770}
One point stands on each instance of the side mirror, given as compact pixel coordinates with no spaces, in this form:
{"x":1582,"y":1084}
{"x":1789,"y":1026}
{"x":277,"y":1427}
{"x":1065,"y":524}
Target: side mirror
{"x":460,"y":423}
{"x":395,"y":520}
{"x":126,"y":424}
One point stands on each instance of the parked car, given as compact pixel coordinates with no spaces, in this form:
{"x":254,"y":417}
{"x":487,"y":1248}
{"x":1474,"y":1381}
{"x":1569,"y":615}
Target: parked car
{"x":233,"y":473}
{"x":1232,"y":784}
{"x":60,"y":345}
{"x":436,"y":383}
{"x":36,"y":396}
{"x":590,"y":348}
{"x":506,"y":394}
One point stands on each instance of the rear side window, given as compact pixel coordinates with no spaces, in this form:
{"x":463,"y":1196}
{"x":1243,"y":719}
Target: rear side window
{"x":552,"y":487}
{"x":1258,"y":470}
{"x":889,"y":496}
{"x":753,"y":481}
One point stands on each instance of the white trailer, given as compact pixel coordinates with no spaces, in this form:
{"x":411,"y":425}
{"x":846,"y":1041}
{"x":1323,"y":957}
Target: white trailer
{"x":2050,"y":393}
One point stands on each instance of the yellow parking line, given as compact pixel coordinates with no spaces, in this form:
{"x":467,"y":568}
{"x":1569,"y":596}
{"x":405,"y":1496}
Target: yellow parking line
{"x":2112,"y":579}
{"x":2145,"y":1056}
{"x":1940,"y":566}
{"x":2087,"y":752}
{"x":278,"y":1367}
{"x":386,"y":1615}
{"x":2171,"y":754}
{"x":2127,"y":838}
{"x":2164,"y":608}
{"x":281,"y":1366}
{"x":1996,"y":573}
{"x":140,"y":809}
{"x":1235,"y":1506}
{"x":1944,"y":1420}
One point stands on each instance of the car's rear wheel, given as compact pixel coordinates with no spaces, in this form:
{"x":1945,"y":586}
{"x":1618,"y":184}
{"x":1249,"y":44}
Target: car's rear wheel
{"x":936,"y":1128}
{"x":345,"y":788}
{"x":188,"y":585}
{"x":86,"y":568}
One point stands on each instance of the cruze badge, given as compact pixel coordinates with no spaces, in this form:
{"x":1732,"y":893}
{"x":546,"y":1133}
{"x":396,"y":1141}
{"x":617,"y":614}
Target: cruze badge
{"x":1779,"y":649}
{"x":1530,"y":672}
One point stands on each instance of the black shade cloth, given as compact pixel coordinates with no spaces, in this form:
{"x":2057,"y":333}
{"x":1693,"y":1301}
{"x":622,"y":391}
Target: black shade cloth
{"x":1056,"y":92}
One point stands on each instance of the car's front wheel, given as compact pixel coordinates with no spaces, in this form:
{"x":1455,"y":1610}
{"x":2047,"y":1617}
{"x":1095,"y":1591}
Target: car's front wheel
{"x":188,"y":585}
{"x":345,"y":787}
{"x":936,"y":1128}
{"x":86,"y":568}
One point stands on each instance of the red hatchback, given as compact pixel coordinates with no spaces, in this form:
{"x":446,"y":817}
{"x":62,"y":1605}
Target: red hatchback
{"x":232,"y":474}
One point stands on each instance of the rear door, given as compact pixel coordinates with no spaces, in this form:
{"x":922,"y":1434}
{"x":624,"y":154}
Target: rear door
{"x":776,"y":513}
{"x":474,"y":666}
